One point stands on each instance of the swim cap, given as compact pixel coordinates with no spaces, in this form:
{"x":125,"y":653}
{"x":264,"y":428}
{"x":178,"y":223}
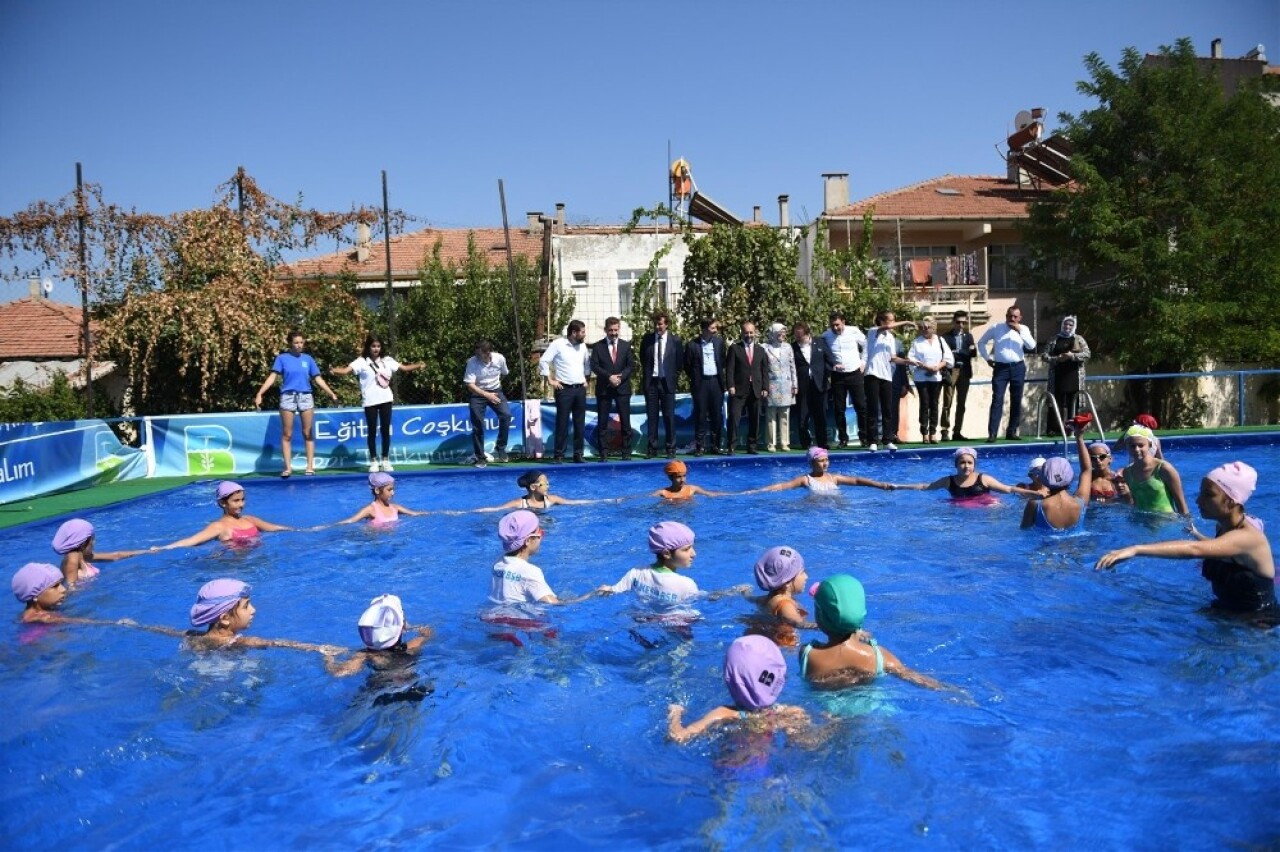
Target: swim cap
{"x":1036,"y":464}
{"x":72,"y":535}
{"x":778,"y":566}
{"x":33,"y":578}
{"x":1057,"y":473}
{"x":1136,"y":431}
{"x":380,"y":480}
{"x":226,"y":489}
{"x":816,"y":453}
{"x":382,"y":623}
{"x":965,"y":451}
{"x":1147,"y":420}
{"x":216,"y":598}
{"x":528,"y":478}
{"x":676,"y":466}
{"x":840,"y":606}
{"x":669,"y":535}
{"x":754,"y":671}
{"x":515,"y":529}
{"x":1100,"y":445}
{"x":1236,"y":479}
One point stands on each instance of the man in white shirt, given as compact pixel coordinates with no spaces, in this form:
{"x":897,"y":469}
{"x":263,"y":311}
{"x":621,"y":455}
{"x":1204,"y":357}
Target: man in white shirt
{"x":847,"y":345}
{"x":483,"y":379}
{"x":884,"y":350}
{"x":571,"y":359}
{"x":1011,"y":341}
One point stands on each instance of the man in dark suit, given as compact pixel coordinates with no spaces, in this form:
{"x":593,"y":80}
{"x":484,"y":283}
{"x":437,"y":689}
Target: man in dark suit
{"x":955,"y":382}
{"x":612,"y":365}
{"x":746,"y":371}
{"x":704,"y":362}
{"x":661,"y":358}
{"x":813,"y":373}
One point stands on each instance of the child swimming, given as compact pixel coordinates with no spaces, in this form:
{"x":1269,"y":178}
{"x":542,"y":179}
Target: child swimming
{"x":818,"y":480}
{"x":223,"y":608}
{"x":234,"y":526}
{"x":754,"y":672}
{"x":382,"y":628}
{"x":1062,"y":510}
{"x":680,"y":488}
{"x":671,"y":543}
{"x":382,"y":512}
{"x":41,"y":587}
{"x":1153,"y":483}
{"x":840,"y":607}
{"x":1237,"y":561}
{"x":516,"y":580}
{"x":966,"y":483}
{"x":74,"y":542}
{"x":537,"y":497}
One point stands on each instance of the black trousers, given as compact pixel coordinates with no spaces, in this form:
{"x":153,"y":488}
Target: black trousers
{"x":849,"y":387}
{"x":929,"y":392}
{"x":375,"y":416}
{"x":622,"y":403}
{"x":882,"y":410}
{"x":752,"y":405}
{"x":571,"y":401}
{"x":658,"y":401}
{"x":708,"y":407}
{"x":811,"y":403}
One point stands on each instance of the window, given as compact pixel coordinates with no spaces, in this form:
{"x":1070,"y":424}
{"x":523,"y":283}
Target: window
{"x":580,"y":279}
{"x":1011,"y":268}
{"x":627,"y":279}
{"x":889,"y":254}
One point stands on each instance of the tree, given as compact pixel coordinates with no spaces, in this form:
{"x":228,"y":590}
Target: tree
{"x":1169,"y":233}
{"x":854,"y":281}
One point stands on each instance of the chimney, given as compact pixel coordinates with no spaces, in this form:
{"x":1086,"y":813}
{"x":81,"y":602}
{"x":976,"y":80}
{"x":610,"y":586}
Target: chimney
{"x":755,"y":213}
{"x":364,"y":240}
{"x":784,"y":211}
{"x":835,"y":191}
{"x":1016,"y":174}
{"x":532,"y":218}
{"x":1215,"y":49}
{"x":33,"y":288}
{"x":559,"y":217}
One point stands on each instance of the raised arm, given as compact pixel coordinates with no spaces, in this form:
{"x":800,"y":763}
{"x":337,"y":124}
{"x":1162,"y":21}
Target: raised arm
{"x":1084,"y":489}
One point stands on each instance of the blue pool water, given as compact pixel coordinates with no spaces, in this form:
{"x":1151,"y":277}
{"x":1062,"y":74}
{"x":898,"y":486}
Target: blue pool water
{"x":1108,"y":709}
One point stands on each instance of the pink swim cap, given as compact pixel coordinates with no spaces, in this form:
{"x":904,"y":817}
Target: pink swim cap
{"x":215,"y":598}
{"x":1236,"y":479}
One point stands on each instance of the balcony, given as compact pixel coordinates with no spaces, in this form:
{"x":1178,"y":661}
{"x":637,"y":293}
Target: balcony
{"x":940,"y":302}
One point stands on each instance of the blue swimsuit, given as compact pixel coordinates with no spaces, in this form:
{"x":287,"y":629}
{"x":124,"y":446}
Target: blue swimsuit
{"x":1042,"y":523}
{"x":808,"y":646}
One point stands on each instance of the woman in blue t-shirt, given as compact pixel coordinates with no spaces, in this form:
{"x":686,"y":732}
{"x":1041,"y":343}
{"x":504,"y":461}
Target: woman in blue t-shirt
{"x":296,"y":369}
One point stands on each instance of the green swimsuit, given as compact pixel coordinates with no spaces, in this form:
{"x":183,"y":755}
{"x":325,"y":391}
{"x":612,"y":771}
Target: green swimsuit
{"x":1149,"y":495}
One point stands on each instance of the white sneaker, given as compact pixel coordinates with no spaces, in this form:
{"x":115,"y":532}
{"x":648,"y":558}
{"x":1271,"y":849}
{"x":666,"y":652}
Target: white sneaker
{"x":386,"y":466}
{"x":373,"y":467}
{"x":891,"y":447}
{"x":872,"y":447}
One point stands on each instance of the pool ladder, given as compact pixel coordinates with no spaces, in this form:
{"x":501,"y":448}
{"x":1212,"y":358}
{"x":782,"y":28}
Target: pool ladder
{"x":1051,"y":404}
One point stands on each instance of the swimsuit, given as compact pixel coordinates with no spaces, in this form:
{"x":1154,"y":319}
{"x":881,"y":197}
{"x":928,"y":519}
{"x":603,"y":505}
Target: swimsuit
{"x":808,"y":646}
{"x":384,"y":520}
{"x":1238,"y":589}
{"x":1101,"y":492}
{"x":525,"y":504}
{"x":821,"y":485}
{"x":87,"y":570}
{"x":1042,"y":522}
{"x":685,"y":492}
{"x":977,"y":489}
{"x":242,"y":535}
{"x":1149,"y":494}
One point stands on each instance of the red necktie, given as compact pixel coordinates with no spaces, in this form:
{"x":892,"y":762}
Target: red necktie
{"x":613,"y":351}
{"x":748,"y":355}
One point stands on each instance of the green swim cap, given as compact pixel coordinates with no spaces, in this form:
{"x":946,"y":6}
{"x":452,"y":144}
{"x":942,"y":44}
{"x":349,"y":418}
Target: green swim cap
{"x":841,"y":605}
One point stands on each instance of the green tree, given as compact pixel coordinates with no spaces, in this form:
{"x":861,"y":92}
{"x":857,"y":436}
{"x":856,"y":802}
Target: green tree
{"x":854,"y":281}
{"x":23,"y":403}
{"x":1168,"y":238}
{"x":439,"y":321}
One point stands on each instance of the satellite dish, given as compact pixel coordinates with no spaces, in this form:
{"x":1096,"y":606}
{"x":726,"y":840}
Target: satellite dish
{"x":47,"y":286}
{"x":1022,"y":119}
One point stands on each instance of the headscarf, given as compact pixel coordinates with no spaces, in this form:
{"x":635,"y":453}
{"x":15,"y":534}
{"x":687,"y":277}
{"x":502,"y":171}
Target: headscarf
{"x":216,"y":598}
{"x":1063,"y":331}
{"x":754,"y":671}
{"x":71,"y":536}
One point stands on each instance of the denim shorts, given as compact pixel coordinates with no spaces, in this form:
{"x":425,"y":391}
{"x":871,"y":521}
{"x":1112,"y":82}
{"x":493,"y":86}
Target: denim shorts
{"x":296,"y":401}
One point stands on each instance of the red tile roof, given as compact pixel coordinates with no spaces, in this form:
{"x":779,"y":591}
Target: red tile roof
{"x":974,"y":197}
{"x":33,"y":329}
{"x":409,"y":250}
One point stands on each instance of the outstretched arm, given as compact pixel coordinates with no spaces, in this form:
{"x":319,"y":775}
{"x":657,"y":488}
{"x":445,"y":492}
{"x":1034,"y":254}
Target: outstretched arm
{"x":209,"y":533}
{"x":798,"y":482}
{"x":697,"y":489}
{"x":683,"y":733}
{"x":365,"y":512}
{"x":413,"y":513}
{"x":859,"y":480}
{"x":922,"y":486}
{"x":996,"y":485}
{"x":1232,"y":544}
{"x":266,"y":526}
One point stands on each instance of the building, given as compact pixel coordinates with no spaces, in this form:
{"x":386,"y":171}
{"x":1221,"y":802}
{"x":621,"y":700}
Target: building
{"x":41,"y":338}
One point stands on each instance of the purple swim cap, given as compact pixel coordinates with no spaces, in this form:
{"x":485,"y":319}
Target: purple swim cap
{"x":515,"y":529}
{"x":226,"y":489}
{"x":669,"y":535}
{"x":754,"y":671}
{"x":380,"y":480}
{"x":1057,"y":473}
{"x":33,"y":578}
{"x":816,"y":452}
{"x":778,"y":566}
{"x":215,"y":598}
{"x":72,"y":535}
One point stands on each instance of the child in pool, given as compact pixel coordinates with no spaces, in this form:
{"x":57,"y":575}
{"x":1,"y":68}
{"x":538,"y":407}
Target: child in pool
{"x":537,"y":497}
{"x":234,"y":526}
{"x":382,"y":630}
{"x":74,"y":543}
{"x":844,"y":659}
{"x":754,"y":672}
{"x":515,"y":579}
{"x":1035,"y":477}
{"x":780,"y":574}
{"x":1237,"y":560}
{"x":966,"y":482}
{"x":819,"y":480}
{"x":1108,"y":485}
{"x":382,"y":511}
{"x":41,"y":587}
{"x":1153,"y":484}
{"x":671,"y":543}
{"x":680,"y":487}
{"x":223,"y":608}
{"x":1062,"y":510}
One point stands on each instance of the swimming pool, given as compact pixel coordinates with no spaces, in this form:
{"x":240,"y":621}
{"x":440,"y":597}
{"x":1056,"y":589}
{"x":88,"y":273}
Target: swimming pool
{"x":1107,"y":708}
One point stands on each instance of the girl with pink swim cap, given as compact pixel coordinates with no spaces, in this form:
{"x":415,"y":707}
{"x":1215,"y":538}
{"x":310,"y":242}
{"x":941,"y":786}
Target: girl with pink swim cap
{"x":74,"y":542}
{"x":382,"y":512}
{"x":754,"y":672}
{"x":234,"y":527}
{"x":1237,"y":560}
{"x":819,"y":479}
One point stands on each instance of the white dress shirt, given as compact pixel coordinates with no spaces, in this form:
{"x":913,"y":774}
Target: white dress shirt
{"x":571,"y":361}
{"x":487,"y":377}
{"x":1010,"y":346}
{"x":846,"y":348}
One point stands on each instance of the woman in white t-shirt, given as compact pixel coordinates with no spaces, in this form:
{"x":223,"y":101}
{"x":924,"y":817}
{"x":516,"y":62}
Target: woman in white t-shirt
{"x":374,"y":369}
{"x":930,"y":356}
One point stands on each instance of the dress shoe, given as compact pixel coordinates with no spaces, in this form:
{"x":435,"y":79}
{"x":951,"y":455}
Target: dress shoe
{"x":1013,"y":436}
{"x":992,"y":439}
{"x":697,"y":452}
{"x":557,"y":460}
{"x":946,"y":436}
{"x":578,"y":460}
{"x":957,"y":436}
{"x":626,"y":456}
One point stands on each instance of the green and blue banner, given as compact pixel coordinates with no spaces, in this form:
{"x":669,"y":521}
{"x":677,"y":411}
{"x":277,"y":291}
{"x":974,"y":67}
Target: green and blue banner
{"x":44,"y":458}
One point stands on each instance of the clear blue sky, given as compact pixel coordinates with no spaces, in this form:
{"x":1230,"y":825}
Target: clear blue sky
{"x":566,"y":101}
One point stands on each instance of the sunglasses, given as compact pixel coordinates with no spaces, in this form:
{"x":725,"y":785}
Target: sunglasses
{"x":1103,"y":456}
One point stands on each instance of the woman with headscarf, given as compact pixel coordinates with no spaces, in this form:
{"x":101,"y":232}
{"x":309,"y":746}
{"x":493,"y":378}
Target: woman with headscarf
{"x":1066,"y":355}
{"x":782,"y":389}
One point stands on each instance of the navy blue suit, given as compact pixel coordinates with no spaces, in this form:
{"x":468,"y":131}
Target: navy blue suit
{"x":660,"y":391}
{"x":708,"y":393}
{"x":814,"y":378}
{"x":604,"y":364}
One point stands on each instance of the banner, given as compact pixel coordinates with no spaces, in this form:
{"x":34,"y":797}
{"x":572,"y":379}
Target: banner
{"x":43,"y":458}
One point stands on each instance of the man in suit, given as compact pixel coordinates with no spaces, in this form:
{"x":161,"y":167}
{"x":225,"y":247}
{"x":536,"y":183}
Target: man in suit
{"x":704,"y":362}
{"x":955,"y":382}
{"x":746,"y":372}
{"x":612,"y":365}
{"x":813,"y":371}
{"x":661,"y":358}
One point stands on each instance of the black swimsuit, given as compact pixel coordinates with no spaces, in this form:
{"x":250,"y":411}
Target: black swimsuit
{"x":1238,"y":589}
{"x":977,"y":489}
